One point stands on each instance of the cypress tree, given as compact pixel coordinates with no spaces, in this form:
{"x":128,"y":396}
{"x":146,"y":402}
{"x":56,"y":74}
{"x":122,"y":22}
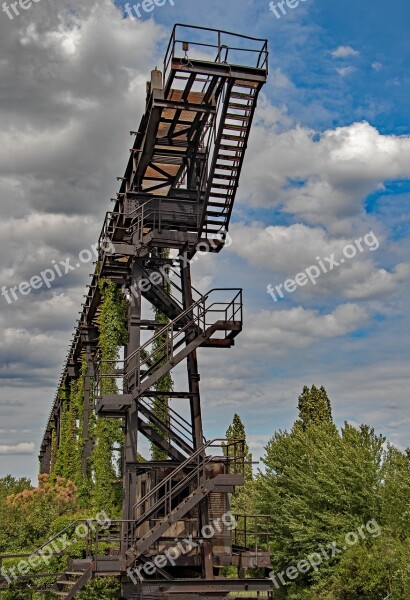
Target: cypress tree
{"x":314,"y":407}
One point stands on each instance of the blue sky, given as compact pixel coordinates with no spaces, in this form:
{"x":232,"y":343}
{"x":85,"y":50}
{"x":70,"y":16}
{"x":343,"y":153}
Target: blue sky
{"x":328,"y":161}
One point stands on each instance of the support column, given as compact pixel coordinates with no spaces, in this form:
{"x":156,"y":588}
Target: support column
{"x":131,"y":421}
{"x":196,"y":418}
{"x":192,"y":364}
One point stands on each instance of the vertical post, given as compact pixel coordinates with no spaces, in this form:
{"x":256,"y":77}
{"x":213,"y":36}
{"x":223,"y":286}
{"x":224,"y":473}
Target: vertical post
{"x":45,"y":463}
{"x":196,"y":417}
{"x":193,"y":373}
{"x":131,"y":420}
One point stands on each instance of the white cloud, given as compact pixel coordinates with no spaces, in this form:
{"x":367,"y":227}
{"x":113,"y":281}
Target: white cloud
{"x":321,"y":179}
{"x":345,"y":71}
{"x":22,"y":448}
{"x":344,"y":52}
{"x":276,"y":332}
{"x":358,"y":278}
{"x":379,"y":283}
{"x":377,"y":66}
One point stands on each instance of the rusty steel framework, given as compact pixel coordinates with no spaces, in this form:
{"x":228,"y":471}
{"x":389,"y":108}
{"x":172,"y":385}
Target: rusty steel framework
{"x":177,"y":193}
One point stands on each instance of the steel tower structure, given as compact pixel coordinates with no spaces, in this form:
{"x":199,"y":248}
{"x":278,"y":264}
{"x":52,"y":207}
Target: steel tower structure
{"x":177,"y":195}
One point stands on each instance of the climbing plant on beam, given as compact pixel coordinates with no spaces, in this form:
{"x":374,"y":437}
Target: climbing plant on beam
{"x":108,"y":433}
{"x":68,"y":455}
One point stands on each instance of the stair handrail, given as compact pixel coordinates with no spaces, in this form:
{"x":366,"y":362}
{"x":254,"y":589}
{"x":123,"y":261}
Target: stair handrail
{"x":186,"y":312}
{"x":110,"y":216}
{"x":198,"y":319}
{"x":174,"y":421}
{"x":37,"y":551}
{"x":198,"y":453}
{"x":170,"y":325}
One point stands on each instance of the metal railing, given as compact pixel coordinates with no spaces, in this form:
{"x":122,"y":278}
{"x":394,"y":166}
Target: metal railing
{"x":155,"y":213}
{"x":190,"y":473}
{"x":216,"y":47}
{"x":252,"y":532}
{"x":172,"y":420}
{"x":96,"y":539}
{"x":163,"y":346}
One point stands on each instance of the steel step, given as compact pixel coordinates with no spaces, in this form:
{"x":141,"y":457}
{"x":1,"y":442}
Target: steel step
{"x":241,"y":96}
{"x":229,"y":157}
{"x":239,"y":106}
{"x":237,"y":117}
{"x":232,"y":138}
{"x":231,"y":148}
{"x":227,"y":167}
{"x":242,"y":83}
{"x":216,"y":195}
{"x":223,"y":186}
{"x":227,"y":177}
{"x":236,"y":127}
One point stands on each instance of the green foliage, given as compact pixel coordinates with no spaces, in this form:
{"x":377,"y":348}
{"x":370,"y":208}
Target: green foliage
{"x":319,"y":485}
{"x":99,"y":486}
{"x":107,"y":588}
{"x":108,"y":434}
{"x":314,"y":407}
{"x":10,"y":485}
{"x":28,"y":514}
{"x":242,"y":500}
{"x":68,"y":458}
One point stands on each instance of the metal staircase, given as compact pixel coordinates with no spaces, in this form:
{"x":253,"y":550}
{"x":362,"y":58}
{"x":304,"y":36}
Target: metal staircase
{"x":238,"y":106}
{"x":194,"y":327}
{"x":193,"y":473}
{"x":72,"y":582}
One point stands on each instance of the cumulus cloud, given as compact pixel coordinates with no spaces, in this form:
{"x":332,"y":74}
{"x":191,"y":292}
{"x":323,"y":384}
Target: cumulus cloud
{"x":345,"y":71}
{"x":377,"y":66}
{"x":344,"y":52}
{"x":21,"y":448}
{"x":276,"y":332}
{"x":321,"y":178}
{"x":289,"y":250}
{"x":72,"y":86}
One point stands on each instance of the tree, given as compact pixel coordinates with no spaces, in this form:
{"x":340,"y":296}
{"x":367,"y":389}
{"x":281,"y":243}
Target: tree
{"x":29,"y":514}
{"x":314,"y":407}
{"x":242,"y":500}
{"x":319,"y":485}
